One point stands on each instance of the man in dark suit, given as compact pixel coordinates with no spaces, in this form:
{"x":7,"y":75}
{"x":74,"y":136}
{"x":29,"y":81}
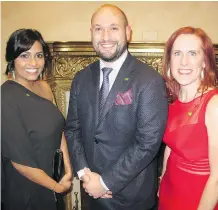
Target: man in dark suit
{"x":116,"y":119}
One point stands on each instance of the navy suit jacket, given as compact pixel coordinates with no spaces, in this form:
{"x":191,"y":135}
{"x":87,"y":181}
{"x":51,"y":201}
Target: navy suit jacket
{"x":122,"y":142}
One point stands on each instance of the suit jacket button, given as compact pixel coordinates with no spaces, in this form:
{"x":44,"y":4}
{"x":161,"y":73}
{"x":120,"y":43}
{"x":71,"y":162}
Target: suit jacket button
{"x":96,"y":141}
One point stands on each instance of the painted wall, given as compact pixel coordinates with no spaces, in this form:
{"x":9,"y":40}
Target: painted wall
{"x":70,"y":21}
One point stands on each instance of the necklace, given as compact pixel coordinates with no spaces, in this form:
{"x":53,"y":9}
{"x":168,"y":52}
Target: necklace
{"x":190,"y":112}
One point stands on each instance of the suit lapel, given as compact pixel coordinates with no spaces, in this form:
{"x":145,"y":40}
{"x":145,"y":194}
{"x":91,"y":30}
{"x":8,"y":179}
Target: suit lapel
{"x":120,"y":84}
{"x":94,"y":92}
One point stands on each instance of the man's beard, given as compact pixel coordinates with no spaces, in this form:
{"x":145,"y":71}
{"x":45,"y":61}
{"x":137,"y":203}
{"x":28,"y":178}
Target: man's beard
{"x":119,"y":51}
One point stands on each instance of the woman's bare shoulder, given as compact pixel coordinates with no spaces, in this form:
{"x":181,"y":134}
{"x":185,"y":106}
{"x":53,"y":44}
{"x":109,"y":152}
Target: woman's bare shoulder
{"x":212,"y":111}
{"x":213,"y":103}
{"x":46,"y":89}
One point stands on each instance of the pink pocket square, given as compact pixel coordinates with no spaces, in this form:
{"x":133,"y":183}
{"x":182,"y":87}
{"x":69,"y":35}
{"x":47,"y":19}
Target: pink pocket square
{"x":124,"y":98}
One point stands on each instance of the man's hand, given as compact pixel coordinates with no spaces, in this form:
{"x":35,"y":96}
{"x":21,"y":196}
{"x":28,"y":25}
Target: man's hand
{"x":108,"y":194}
{"x":85,"y":178}
{"x":94,"y":186}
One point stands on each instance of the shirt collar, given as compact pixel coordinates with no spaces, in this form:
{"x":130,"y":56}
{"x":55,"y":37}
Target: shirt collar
{"x":116,"y":64}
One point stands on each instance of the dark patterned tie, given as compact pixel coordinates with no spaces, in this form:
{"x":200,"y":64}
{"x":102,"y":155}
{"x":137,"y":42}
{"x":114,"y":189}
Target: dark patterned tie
{"x":105,"y":87}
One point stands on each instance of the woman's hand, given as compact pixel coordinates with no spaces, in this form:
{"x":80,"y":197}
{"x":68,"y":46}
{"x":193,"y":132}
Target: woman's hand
{"x":159,"y":181}
{"x":64,"y":184}
{"x":67,"y":176}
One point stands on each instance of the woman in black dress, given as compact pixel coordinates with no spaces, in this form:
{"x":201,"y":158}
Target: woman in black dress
{"x":32,"y":128}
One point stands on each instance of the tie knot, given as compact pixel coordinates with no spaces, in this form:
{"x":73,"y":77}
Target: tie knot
{"x":106,"y":71}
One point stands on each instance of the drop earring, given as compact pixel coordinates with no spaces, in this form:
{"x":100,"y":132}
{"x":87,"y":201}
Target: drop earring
{"x":40,"y":76}
{"x":168,"y":74}
{"x":202,"y":74}
{"x":13,"y":75}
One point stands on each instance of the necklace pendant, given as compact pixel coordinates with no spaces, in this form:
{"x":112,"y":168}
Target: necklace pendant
{"x":189,"y":114}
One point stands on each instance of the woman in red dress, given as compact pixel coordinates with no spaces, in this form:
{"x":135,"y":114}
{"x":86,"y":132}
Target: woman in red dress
{"x":189,"y":179}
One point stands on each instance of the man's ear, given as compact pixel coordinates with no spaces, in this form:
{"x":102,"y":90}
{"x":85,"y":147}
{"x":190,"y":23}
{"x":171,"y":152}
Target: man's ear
{"x":90,"y":33}
{"x":128,"y":33}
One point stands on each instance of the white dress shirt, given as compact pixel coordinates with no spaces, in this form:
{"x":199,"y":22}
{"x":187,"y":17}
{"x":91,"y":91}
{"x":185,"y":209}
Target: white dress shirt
{"x":116,"y":66}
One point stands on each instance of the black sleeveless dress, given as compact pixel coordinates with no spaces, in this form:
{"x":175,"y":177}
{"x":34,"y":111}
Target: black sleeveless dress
{"x":31,"y":132}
